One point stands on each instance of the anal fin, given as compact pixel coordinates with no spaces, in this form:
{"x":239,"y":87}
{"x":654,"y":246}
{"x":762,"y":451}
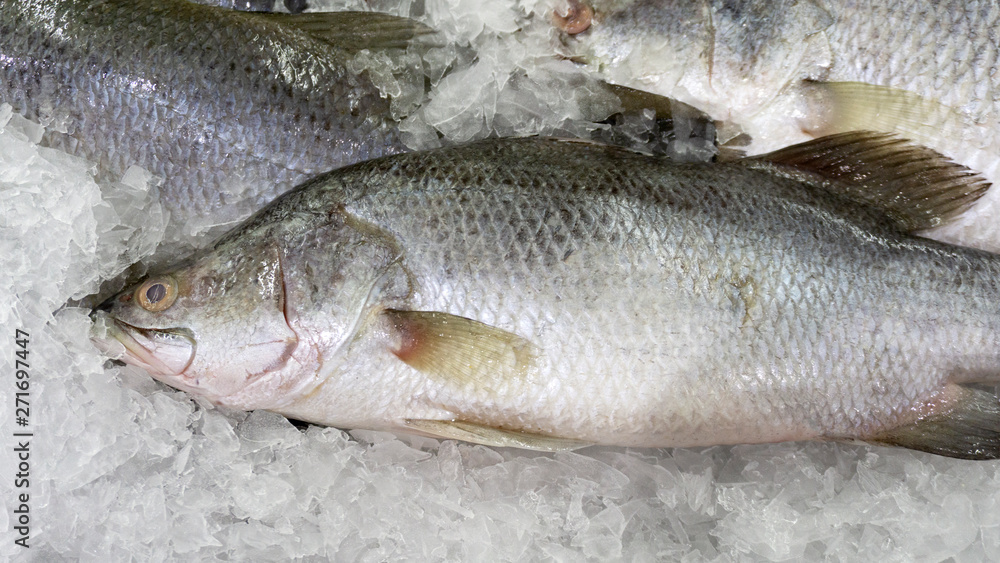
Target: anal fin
{"x":490,"y":436}
{"x":968,"y":426}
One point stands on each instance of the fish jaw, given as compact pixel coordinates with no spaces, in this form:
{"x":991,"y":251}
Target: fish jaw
{"x":163,"y":353}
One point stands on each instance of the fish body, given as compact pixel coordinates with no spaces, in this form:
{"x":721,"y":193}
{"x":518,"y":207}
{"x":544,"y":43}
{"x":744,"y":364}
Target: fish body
{"x":779,"y":73}
{"x":227,"y":107}
{"x":538,"y":292}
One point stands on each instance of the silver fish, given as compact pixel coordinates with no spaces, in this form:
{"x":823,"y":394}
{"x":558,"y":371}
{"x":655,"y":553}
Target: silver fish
{"x":221,"y":104}
{"x":548,"y":294}
{"x":779,"y":73}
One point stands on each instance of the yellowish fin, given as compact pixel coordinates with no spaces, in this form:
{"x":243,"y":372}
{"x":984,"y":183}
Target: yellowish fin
{"x":489,"y":436}
{"x":458,"y":350}
{"x":916,"y":187}
{"x":852,"y":106}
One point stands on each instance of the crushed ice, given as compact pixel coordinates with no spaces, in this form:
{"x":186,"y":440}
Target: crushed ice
{"x":129,"y":469}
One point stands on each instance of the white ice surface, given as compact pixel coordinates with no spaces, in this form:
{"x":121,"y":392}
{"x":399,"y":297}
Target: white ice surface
{"x":125,"y":468}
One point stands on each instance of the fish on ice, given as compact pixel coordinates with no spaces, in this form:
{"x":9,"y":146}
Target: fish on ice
{"x":549,"y":294}
{"x":230,"y":108}
{"x":779,"y":73}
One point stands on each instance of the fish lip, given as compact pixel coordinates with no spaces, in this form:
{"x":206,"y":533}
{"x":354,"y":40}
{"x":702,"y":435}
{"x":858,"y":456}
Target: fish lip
{"x":137,"y":354}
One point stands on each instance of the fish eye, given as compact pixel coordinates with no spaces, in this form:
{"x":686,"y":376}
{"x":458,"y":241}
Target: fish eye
{"x":156,"y":294}
{"x":576,"y":19}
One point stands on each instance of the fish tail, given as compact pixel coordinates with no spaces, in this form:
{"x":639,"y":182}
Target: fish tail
{"x":965,"y":424}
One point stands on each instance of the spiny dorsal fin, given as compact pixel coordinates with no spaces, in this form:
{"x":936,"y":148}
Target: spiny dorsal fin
{"x":490,"y":436}
{"x":967,"y":428}
{"x":458,"y":350}
{"x":353,"y":31}
{"x":916,"y":187}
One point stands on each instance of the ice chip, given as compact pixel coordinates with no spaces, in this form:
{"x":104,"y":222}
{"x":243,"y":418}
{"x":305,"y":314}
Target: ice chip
{"x":261,"y":497}
{"x":6,"y":111}
{"x":264,"y":429}
{"x":464,"y":103}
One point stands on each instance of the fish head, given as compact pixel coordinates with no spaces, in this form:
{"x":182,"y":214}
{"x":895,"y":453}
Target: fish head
{"x":646,"y":35}
{"x":728,"y":59}
{"x":215,"y":327}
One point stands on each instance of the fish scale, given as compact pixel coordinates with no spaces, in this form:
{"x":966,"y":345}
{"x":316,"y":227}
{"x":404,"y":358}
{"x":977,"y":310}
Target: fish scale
{"x":474,"y":310}
{"x":746,"y":301}
{"x":219,"y":104}
{"x":774,"y":74}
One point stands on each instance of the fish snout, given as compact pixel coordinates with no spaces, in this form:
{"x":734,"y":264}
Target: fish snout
{"x":162,"y":352}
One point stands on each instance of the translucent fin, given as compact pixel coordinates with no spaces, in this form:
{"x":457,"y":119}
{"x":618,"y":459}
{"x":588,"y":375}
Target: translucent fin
{"x":489,"y":436}
{"x":916,"y":187}
{"x":968,"y":427}
{"x":458,"y":350}
{"x":656,"y":125}
{"x":638,"y":100}
{"x":354,"y":31}
{"x":852,"y":106}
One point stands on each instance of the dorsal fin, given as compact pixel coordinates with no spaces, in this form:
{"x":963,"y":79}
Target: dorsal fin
{"x":353,"y":31}
{"x":916,"y":187}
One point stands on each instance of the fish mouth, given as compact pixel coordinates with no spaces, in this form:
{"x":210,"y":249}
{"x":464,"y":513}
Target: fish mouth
{"x":165,"y":352}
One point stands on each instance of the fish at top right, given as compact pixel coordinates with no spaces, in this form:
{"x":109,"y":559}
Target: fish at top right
{"x":779,"y":72}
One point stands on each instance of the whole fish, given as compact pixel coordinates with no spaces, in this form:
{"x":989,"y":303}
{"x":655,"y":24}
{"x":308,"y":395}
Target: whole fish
{"x":221,"y":104}
{"x":779,"y":73}
{"x":546,"y":294}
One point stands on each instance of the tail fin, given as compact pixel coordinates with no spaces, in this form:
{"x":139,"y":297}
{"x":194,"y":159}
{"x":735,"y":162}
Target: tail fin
{"x":967,"y":428}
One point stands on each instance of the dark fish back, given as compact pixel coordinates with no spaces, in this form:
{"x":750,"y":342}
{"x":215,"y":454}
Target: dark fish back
{"x":213,"y":101}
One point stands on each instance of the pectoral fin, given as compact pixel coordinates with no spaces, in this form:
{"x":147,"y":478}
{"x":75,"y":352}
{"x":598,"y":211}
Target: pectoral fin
{"x":489,"y":436}
{"x":353,"y":31}
{"x":916,"y":187}
{"x":967,"y":426}
{"x":852,"y":106}
{"x":458,"y":350}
